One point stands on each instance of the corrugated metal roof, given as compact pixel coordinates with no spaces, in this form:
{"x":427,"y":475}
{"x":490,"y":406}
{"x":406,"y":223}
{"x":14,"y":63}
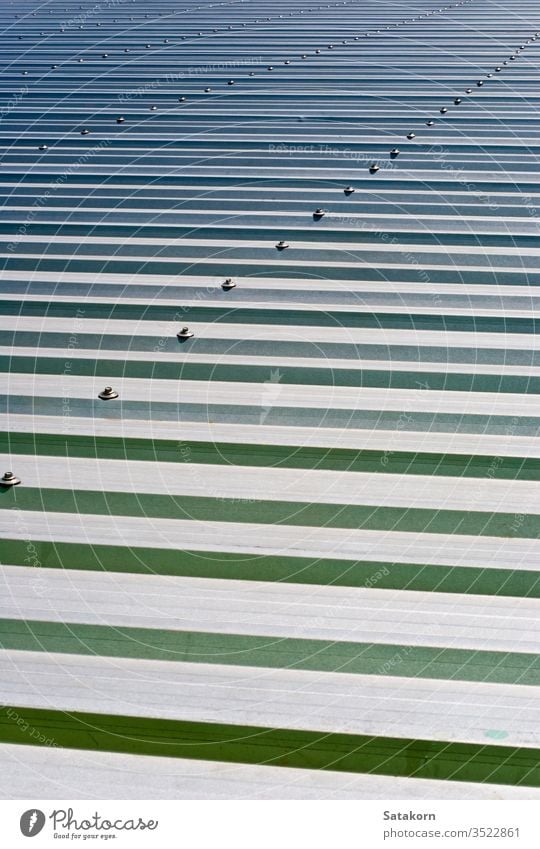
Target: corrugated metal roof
{"x":297,"y":556}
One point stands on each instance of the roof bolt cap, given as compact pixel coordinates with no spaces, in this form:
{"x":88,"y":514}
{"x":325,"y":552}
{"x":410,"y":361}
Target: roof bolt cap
{"x":108,"y":394}
{"x":228,"y":284}
{"x":185,"y":333}
{"x":281,"y":245}
{"x":9,"y":479}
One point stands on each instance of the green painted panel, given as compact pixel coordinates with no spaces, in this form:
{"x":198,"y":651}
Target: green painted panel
{"x":279,"y":653}
{"x":257,"y":315}
{"x":244,"y":454}
{"x":271,"y":746}
{"x":330,"y":376}
{"x":413,"y":520}
{"x":252,"y":567}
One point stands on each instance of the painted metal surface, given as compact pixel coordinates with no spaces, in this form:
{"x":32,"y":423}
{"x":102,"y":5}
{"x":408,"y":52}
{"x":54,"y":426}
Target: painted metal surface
{"x":318,"y":515}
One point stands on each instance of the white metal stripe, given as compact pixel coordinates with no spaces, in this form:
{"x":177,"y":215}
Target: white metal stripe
{"x":417,"y":708}
{"x":277,"y":611}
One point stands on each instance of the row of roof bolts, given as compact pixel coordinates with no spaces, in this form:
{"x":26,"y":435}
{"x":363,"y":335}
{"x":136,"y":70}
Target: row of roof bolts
{"x":109,"y":394}
{"x":121,"y":120}
{"x":286,"y":61}
{"x":265,"y":20}
{"x":374,"y":166}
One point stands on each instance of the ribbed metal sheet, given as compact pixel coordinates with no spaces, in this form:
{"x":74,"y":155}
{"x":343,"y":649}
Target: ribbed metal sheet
{"x":302,"y":542}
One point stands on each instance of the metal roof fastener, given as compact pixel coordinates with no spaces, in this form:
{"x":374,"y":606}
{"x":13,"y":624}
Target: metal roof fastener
{"x":411,"y":135}
{"x":468,"y":90}
{"x":349,"y":190}
{"x":230,"y":82}
{"x":443,"y":109}
{"x":394,"y":151}
{"x":228,"y":284}
{"x":120,"y":120}
{"x":480,"y":82}
{"x":318,"y":213}
{"x":430,"y":123}
{"x":373,"y":168}
{"x":9,"y":479}
{"x":84,"y":132}
{"x":108,"y":394}
{"x":185,"y":333}
{"x":281,"y":245}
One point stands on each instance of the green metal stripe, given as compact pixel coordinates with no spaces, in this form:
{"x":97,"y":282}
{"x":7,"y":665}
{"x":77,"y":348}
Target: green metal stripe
{"x":303,"y":514}
{"x":286,"y":569}
{"x":274,"y":652}
{"x":256,"y":315}
{"x":353,"y":753}
{"x":330,"y":376}
{"x":292,"y":457}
